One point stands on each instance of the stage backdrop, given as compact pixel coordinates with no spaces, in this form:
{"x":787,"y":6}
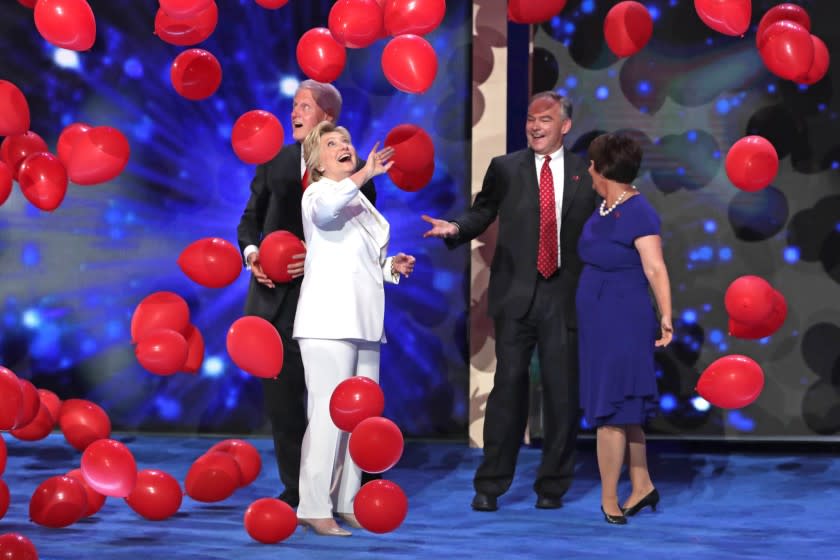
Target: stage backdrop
{"x":688,"y":96}
{"x":72,"y":278}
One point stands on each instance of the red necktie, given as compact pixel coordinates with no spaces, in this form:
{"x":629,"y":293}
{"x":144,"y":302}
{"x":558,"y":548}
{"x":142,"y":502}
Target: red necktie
{"x":305,"y":179}
{"x":547,"y":251}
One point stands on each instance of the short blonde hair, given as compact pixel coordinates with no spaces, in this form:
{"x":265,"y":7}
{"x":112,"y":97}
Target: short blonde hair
{"x":312,"y":146}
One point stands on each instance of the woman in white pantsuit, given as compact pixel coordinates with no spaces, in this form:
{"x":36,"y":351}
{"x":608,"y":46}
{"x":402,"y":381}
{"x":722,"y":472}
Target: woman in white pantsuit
{"x":340,"y":315}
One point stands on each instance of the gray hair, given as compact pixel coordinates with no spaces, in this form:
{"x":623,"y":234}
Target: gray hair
{"x":565,"y":102}
{"x":312,"y":146}
{"x":326,"y":96}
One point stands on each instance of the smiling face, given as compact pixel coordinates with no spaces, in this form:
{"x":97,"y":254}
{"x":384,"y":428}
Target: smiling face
{"x":337,"y":157}
{"x":546,"y":126}
{"x":306,"y":114}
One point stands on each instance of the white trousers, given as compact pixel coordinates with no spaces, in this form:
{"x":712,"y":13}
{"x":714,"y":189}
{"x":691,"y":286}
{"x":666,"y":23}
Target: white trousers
{"x":329,"y":479}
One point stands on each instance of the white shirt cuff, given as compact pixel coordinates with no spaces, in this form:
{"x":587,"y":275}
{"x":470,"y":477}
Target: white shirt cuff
{"x":247,"y":252}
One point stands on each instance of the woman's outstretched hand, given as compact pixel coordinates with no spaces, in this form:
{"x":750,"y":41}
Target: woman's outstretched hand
{"x":378,"y":162}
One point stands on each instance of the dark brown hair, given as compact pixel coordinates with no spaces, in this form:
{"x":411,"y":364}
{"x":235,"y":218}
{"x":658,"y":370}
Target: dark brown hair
{"x":618,"y":158}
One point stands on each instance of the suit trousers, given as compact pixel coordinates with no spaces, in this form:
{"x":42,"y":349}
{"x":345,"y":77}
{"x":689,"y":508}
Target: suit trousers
{"x":329,"y":480}
{"x":543,"y":327}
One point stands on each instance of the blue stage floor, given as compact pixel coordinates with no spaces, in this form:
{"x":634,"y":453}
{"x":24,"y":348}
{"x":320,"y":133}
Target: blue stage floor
{"x":714,"y":506}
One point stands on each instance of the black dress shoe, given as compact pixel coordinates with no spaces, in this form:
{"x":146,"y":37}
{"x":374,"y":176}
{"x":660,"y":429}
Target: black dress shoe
{"x":652,"y":499}
{"x":548,"y":502}
{"x":484,"y":502}
{"x":290,"y":498}
{"x":614,"y":519}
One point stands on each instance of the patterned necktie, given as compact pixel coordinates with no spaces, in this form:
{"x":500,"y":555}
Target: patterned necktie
{"x":305,"y":179}
{"x":547,"y":251}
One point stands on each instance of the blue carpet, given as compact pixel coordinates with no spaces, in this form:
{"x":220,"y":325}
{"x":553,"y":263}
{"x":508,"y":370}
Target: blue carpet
{"x":714,"y":506}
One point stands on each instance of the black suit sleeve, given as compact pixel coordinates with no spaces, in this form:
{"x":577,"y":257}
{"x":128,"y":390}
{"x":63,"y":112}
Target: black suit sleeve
{"x":484,"y":208}
{"x":368,"y":189}
{"x":253,"y":217}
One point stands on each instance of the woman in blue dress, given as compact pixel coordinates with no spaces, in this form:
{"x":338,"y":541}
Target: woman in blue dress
{"x":617,"y":325}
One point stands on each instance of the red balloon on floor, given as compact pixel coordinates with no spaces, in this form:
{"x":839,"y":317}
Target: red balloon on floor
{"x":14,"y":110}
{"x":58,"y":502}
{"x":83,"y":422}
{"x":213,"y":477}
{"x":730,"y":17}
{"x":320,"y":56}
{"x":67,"y":140}
{"x":14,"y":546}
{"x":156,"y":495}
{"x":98,"y":155}
{"x":39,"y":428}
{"x":68,"y":24}
{"x":355,"y":399}
{"x":417,"y":17}
{"x":11,"y":398}
{"x":528,"y":11}
{"x":246,"y":456}
{"x":627,"y":28}
{"x":3,"y":454}
{"x":376,"y":445}
{"x":162,"y":351}
{"x":257,"y":136}
{"x":752,"y":163}
{"x":255,"y":346}
{"x":269,"y":520}
{"x":380,"y":506}
{"x":15,"y":149}
{"x":109,"y":468}
{"x":95,"y":500}
{"x":410,"y":63}
{"x":276,"y":252}
{"x":4,"y":499}
{"x":160,"y":310}
{"x":731,"y":382}
{"x":51,"y":401}
{"x":195,"y":350}
{"x":211,"y":262}
{"x":43,"y":180}
{"x":196,"y":74}
{"x":30,"y":404}
{"x":189,"y":30}
{"x":5,"y":182}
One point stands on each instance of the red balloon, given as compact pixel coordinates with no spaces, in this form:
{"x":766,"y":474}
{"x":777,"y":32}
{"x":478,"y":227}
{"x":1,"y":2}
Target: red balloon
{"x":195,"y":350}
{"x":320,"y":56}
{"x":156,"y":496}
{"x":627,"y":28}
{"x":11,"y":399}
{"x":30,"y":404}
{"x":51,"y":401}
{"x":58,"y":502}
{"x":528,"y":11}
{"x":98,"y":155}
{"x":412,"y":182}
{"x":414,"y":148}
{"x":733,"y":381}
{"x":3,"y":454}
{"x":269,"y":520}
{"x":68,"y":24}
{"x":819,"y":67}
{"x":271,"y":4}
{"x":788,"y":51}
{"x":257,"y":137}
{"x":276,"y":252}
{"x":417,"y":17}
{"x":749,"y":299}
{"x":14,"y":546}
{"x":43,"y":180}
{"x":67,"y":140}
{"x":213,"y":477}
{"x":189,"y":30}
{"x":730,"y":17}
{"x":781,"y":12}
{"x":409,"y":63}
{"x":356,"y":23}
{"x":95,"y":500}
{"x":211,"y":262}
{"x":773,"y":322}
{"x":39,"y":428}
{"x":380,"y":506}
{"x":355,"y":399}
{"x":160,"y":310}
{"x":5,"y":182}
{"x":109,"y":468}
{"x":14,"y":110}
{"x":196,"y":74}
{"x":15,"y":149}
{"x":246,"y":456}
{"x":255,"y":346}
{"x":376,"y":445}
{"x":162,"y":351}
{"x":752,"y":163}
{"x":83,"y":422}
{"x":184,"y":8}
{"x":4,"y":498}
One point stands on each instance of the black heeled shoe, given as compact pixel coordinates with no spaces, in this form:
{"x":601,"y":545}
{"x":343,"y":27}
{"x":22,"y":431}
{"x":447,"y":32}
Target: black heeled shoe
{"x":614,"y":519}
{"x":652,"y":499}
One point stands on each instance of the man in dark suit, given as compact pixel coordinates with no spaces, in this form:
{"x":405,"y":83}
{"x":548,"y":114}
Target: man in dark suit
{"x":274,"y":204}
{"x":542,"y":196}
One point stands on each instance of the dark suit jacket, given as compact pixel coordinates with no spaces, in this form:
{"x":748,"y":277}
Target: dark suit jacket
{"x":274,"y":204}
{"x":511,"y":192}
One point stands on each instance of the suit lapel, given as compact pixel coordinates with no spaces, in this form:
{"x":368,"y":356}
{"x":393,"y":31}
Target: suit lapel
{"x":374,"y":223}
{"x":571,"y":181}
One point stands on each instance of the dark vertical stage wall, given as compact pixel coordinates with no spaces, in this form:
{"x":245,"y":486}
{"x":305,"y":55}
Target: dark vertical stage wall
{"x":71,"y":278}
{"x":689,"y":95}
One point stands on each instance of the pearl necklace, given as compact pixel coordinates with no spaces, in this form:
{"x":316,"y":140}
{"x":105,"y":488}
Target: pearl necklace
{"x":614,"y":204}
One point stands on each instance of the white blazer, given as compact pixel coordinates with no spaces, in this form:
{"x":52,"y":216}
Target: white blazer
{"x":343,"y":294}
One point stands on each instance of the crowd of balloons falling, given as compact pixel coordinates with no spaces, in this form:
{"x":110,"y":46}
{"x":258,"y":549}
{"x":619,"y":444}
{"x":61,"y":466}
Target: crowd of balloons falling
{"x":167,"y":342}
